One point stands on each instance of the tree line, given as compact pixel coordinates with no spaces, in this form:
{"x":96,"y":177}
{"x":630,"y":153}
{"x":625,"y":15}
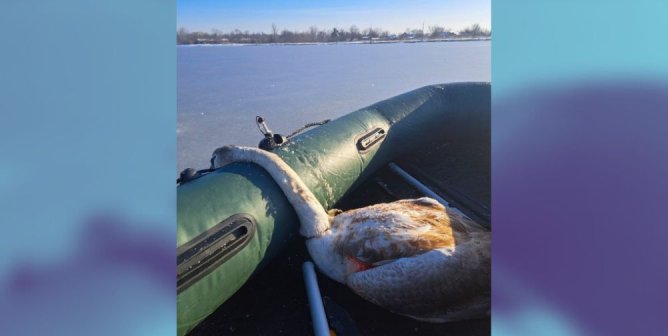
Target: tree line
{"x":315,"y":35}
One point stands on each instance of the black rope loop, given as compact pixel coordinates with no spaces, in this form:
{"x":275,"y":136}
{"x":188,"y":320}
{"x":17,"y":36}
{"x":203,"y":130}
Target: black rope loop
{"x":319,"y":123}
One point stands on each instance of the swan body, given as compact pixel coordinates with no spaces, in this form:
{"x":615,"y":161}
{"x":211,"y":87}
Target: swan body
{"x":413,"y":257}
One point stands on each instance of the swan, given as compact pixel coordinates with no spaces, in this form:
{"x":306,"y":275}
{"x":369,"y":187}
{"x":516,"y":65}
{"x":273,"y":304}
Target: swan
{"x":413,"y":257}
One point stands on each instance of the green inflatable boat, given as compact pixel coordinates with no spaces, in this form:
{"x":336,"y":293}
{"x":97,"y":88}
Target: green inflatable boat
{"x":233,"y":220}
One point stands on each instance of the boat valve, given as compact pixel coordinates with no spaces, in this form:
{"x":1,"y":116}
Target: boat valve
{"x":270,"y":140}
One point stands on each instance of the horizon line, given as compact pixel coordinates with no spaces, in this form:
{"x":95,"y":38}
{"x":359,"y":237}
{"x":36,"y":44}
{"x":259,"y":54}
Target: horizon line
{"x":425,"y":28}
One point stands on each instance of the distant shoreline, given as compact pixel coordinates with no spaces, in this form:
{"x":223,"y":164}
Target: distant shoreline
{"x":472,"y":39}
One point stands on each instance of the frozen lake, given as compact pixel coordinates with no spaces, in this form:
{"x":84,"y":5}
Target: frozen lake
{"x":220,"y":89}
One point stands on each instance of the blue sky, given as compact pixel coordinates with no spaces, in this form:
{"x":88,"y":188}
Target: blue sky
{"x":395,"y":16}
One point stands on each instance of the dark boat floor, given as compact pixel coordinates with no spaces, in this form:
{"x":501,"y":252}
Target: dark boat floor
{"x":274,"y":302}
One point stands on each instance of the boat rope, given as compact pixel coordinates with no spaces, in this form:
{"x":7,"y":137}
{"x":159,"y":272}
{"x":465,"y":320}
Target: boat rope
{"x":319,"y":123}
{"x":272,"y":140}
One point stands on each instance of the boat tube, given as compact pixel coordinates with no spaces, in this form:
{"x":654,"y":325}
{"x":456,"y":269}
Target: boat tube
{"x":233,"y":220}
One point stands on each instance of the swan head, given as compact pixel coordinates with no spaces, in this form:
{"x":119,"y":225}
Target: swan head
{"x":223,"y":156}
{"x":333,"y":264}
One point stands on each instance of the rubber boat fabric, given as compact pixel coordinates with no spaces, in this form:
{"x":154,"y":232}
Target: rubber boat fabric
{"x":233,"y":221}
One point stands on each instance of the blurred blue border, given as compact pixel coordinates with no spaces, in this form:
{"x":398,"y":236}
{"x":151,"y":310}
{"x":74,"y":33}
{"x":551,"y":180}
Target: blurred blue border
{"x":579,"y":155}
{"x":561,"y":42}
{"x":87,"y":139}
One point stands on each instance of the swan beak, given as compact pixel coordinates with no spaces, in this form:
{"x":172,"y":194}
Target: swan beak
{"x":358,"y":265}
